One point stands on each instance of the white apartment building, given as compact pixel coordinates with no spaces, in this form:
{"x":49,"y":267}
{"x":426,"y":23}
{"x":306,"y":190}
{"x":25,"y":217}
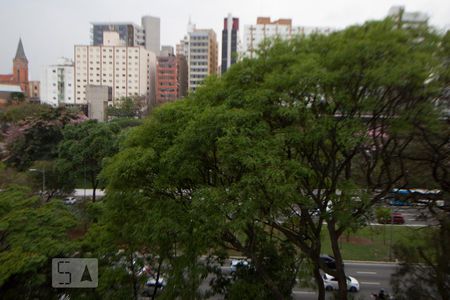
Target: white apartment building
{"x":200,"y":48}
{"x":129,"y":71}
{"x":58,"y":83}
{"x":267,"y":29}
{"x":407,"y":19}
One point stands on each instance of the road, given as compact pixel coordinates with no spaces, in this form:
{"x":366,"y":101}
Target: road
{"x":372,"y":276}
{"x":412,"y":216}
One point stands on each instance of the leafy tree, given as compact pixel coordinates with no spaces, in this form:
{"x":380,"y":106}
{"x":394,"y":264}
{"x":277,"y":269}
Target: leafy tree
{"x":31,"y":234}
{"x":33,"y":136}
{"x":127,"y":107}
{"x":58,"y":177}
{"x":425,"y":265}
{"x":9,"y":176}
{"x":84,"y":147}
{"x":308,"y":137}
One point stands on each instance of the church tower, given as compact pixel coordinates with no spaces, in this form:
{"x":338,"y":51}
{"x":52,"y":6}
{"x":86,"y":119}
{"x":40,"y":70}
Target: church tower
{"x":20,"y":68}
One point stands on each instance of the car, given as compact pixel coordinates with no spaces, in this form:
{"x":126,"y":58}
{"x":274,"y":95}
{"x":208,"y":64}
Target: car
{"x":70,"y":200}
{"x":331,"y":283}
{"x":151,"y":285}
{"x":151,"y":282}
{"x":396,"y":218}
{"x":328,"y":260}
{"x":238,"y":263}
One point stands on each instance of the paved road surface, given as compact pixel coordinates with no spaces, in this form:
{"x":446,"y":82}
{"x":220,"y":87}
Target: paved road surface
{"x":371,"y":276}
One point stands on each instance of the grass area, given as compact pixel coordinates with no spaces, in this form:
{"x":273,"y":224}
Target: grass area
{"x":371,"y":243}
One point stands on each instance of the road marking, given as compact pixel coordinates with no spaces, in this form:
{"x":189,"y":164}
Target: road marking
{"x":363,"y":272}
{"x":369,"y":282}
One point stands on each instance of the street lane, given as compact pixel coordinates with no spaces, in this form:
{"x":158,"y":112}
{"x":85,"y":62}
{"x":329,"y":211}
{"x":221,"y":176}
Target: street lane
{"x":372,"y":276}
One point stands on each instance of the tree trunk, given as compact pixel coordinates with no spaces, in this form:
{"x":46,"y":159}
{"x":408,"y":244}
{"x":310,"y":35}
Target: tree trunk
{"x":158,"y":272}
{"x":133,"y":277}
{"x":340,"y":272}
{"x":319,"y":281}
{"x":94,"y":188}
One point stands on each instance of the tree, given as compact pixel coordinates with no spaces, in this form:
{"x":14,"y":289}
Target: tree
{"x":31,"y":234}
{"x":59,"y":178}
{"x":84,"y":147}
{"x":33,"y":135}
{"x":424,"y":260}
{"x":306,"y":138}
{"x":127,"y":107}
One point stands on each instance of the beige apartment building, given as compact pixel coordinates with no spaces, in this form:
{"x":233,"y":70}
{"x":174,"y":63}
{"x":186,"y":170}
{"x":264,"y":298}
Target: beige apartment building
{"x":129,"y":71}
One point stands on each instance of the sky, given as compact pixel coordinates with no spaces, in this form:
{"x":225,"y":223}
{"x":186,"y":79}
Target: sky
{"x":50,"y":28}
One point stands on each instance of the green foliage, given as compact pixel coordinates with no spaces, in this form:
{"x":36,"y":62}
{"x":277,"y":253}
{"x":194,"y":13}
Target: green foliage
{"x":127,"y":107}
{"x":33,"y":133}
{"x":84,"y":147}
{"x":59,"y":178}
{"x":306,"y":133}
{"x":383,"y":215}
{"x":31,"y":234}
{"x":425,"y":264}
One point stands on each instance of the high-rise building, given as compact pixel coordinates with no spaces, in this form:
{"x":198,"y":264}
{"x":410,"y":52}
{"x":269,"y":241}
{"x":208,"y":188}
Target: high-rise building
{"x":130,"y":71}
{"x":267,"y":29}
{"x":229,"y":42}
{"x":405,"y":19}
{"x":19,"y":75}
{"x":151,"y":27}
{"x":201,"y":51}
{"x":171,"y":76}
{"x":147,"y":34}
{"x":182,"y":75}
{"x":131,"y":34}
{"x":57,"y":84}
{"x":166,"y":78}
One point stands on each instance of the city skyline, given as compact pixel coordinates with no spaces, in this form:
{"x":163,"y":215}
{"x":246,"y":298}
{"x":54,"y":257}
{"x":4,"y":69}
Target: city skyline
{"x":51,"y":37}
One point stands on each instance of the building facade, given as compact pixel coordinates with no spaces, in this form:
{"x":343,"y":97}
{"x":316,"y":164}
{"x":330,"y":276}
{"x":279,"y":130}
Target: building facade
{"x":404,"y":19}
{"x":230,"y":34}
{"x":201,"y":51}
{"x":34,"y":91}
{"x":131,"y":34}
{"x":166,"y":78}
{"x":129,"y":71}
{"x":98,"y":97}
{"x":182,"y":75}
{"x":58,"y":83}
{"x":264,"y":29}
{"x":152,"y":31}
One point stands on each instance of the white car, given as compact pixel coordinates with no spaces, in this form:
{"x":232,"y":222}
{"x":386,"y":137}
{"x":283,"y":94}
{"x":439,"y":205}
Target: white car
{"x":152,"y":282}
{"x":70,"y":200}
{"x":331,"y":283}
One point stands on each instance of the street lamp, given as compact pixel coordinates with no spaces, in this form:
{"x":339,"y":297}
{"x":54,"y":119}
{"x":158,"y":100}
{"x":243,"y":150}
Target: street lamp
{"x":43,"y":178}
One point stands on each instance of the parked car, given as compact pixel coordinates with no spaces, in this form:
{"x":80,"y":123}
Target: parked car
{"x":328,"y":260}
{"x":396,"y":218}
{"x":70,"y":200}
{"x":331,"y":283}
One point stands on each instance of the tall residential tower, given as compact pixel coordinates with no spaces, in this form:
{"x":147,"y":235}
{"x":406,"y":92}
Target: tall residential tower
{"x":229,"y":42}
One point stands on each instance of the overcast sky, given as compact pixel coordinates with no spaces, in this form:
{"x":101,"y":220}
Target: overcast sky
{"x":50,"y":28}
